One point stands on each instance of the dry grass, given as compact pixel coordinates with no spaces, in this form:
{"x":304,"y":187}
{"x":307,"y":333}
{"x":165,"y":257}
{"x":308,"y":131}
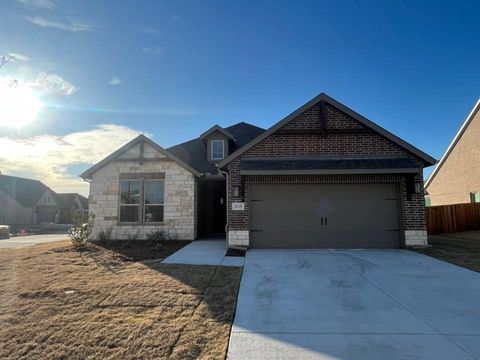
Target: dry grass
{"x":60,"y":303}
{"x":458,"y":251}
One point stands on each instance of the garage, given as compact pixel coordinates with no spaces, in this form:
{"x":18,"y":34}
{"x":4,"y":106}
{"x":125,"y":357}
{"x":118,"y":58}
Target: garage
{"x":324,"y":216}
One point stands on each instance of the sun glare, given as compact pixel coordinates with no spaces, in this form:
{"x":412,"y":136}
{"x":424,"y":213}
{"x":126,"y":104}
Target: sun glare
{"x":18,"y":104}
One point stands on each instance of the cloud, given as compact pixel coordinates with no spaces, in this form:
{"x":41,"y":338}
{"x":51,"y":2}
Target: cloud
{"x":52,"y":84}
{"x":149,"y":30}
{"x":48,"y":157}
{"x":115,"y":81}
{"x":153,"y":50}
{"x":73,"y":26}
{"x":18,"y":57}
{"x":41,"y":4}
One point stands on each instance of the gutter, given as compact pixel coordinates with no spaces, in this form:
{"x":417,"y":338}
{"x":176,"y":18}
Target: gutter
{"x":226,"y":201}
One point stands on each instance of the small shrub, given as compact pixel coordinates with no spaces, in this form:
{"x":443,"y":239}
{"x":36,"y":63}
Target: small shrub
{"x":161,"y":234}
{"x":133,"y":236}
{"x":81,"y":233}
{"x":105,"y":234}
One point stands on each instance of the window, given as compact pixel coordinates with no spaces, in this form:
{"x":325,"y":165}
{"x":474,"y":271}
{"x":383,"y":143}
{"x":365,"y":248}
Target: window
{"x":129,"y":200}
{"x":153,"y":204}
{"x":475,"y":197}
{"x":142,"y":200}
{"x":218,"y":152}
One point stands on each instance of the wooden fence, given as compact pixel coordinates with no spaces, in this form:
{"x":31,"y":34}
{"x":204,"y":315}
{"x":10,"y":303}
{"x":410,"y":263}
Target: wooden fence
{"x":453,"y":218}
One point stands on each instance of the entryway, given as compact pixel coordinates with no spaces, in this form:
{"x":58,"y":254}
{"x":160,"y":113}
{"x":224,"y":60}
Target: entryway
{"x":211,"y":209}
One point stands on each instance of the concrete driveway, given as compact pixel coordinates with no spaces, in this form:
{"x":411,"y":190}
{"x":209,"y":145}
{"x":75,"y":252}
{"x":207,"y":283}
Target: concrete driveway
{"x":355,"y":304}
{"x":29,"y":240}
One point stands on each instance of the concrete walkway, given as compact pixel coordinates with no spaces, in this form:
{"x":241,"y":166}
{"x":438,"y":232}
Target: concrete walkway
{"x":363,"y":304}
{"x":29,"y":240}
{"x":204,"y":252}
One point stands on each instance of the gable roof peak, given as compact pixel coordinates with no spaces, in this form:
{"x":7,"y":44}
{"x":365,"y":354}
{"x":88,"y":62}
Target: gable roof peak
{"x":218,"y":128}
{"x":456,"y":139}
{"x":361,"y":119}
{"x":87,"y":174}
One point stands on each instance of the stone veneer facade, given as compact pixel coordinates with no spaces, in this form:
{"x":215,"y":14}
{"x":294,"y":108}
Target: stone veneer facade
{"x":341,"y":141}
{"x":180,"y":198}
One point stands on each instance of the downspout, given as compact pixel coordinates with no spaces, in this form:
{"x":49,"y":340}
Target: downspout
{"x":226,"y":202}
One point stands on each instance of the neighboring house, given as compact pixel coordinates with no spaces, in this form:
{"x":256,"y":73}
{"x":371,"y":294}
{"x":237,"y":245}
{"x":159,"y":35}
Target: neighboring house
{"x":324,"y":176}
{"x":26,"y":202}
{"x":72,"y":207}
{"x":456,"y":179}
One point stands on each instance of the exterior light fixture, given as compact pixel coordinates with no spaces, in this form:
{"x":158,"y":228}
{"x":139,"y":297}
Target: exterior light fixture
{"x":236,"y":191}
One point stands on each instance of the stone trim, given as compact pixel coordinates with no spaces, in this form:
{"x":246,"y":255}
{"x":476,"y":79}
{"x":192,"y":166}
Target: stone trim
{"x":416,"y":238}
{"x":238,"y":237}
{"x":142,"y":176}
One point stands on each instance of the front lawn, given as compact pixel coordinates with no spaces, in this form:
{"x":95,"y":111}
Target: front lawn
{"x":456,"y":250}
{"x":112,"y":302}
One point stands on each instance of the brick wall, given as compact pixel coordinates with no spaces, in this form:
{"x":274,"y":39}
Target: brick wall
{"x":360,"y":142}
{"x":460,"y":172}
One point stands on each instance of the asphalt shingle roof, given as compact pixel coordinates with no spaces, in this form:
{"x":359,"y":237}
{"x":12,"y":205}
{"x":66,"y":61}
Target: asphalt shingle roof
{"x":27,"y":192}
{"x":194,"y":152}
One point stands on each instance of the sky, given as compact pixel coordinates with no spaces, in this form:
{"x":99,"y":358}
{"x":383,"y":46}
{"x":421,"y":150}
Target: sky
{"x":106,"y":71}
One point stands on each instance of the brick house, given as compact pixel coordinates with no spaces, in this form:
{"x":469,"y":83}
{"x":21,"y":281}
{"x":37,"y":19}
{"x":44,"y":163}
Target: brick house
{"x":456,"y":178}
{"x":324,"y":176}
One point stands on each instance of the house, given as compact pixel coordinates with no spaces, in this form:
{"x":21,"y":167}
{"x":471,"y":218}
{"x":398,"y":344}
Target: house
{"x":323,"y":177}
{"x":71,"y":207}
{"x":456,"y":178}
{"x":142,"y":187}
{"x":26,"y":202}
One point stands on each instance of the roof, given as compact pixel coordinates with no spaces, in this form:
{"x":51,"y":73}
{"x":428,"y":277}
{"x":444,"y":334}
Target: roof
{"x":83,"y":201}
{"x":67,"y":200}
{"x":454,"y":142}
{"x":87,"y":174}
{"x":26,"y":192}
{"x":329,"y":166}
{"x":219,"y":129}
{"x":194,"y":152}
{"x":324,"y":97}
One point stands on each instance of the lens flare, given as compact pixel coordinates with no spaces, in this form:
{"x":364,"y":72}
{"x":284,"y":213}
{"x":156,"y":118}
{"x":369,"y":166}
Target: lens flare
{"x":18,"y":104}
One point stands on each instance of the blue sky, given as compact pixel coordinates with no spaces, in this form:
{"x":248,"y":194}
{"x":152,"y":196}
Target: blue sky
{"x":107,"y":70}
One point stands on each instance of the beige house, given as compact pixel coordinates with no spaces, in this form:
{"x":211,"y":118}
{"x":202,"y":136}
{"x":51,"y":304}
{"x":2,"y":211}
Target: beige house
{"x":26,"y":202}
{"x":143,"y":187}
{"x":456,"y":179}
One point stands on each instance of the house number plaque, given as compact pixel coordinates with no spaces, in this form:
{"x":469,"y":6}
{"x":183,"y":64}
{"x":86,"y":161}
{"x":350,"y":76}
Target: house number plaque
{"x":238,"y":206}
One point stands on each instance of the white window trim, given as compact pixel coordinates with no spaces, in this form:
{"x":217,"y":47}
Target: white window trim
{"x":223,"y":150}
{"x":145,"y":205}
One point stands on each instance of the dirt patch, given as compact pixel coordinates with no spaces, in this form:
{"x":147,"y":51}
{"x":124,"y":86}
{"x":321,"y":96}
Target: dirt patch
{"x":458,"y":251}
{"x":108,"y":302}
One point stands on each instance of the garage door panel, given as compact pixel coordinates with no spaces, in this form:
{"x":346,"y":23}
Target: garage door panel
{"x":324,"y":216}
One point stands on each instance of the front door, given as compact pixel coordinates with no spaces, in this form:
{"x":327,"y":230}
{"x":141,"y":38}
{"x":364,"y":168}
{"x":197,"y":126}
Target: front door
{"x":219,"y":209}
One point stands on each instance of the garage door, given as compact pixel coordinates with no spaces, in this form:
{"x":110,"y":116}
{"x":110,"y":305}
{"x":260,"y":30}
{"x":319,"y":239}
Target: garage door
{"x":324,"y":216}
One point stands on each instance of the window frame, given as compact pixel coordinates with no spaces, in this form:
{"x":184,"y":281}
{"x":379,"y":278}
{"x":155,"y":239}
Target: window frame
{"x":141,"y":178}
{"x":213,"y":141}
{"x":144,"y":182}
{"x":140,"y":189}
